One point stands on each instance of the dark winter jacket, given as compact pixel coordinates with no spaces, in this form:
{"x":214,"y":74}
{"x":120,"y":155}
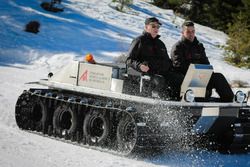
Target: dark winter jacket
{"x":185,"y":52}
{"x":149,"y":51}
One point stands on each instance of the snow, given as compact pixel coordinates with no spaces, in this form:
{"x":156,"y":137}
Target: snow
{"x":85,"y":27}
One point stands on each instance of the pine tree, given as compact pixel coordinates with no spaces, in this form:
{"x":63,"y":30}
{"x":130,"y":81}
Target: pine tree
{"x":122,"y":3}
{"x":170,"y":4}
{"x":238,"y":45}
{"x":214,"y":13}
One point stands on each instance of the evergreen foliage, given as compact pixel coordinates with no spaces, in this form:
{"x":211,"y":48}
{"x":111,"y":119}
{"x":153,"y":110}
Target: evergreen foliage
{"x":230,"y":16}
{"x":213,"y":13}
{"x":238,"y":45}
{"x":176,"y":5}
{"x":122,"y":4}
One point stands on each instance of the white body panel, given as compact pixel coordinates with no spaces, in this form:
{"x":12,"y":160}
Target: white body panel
{"x":95,"y":76}
{"x":197,"y":78}
{"x":116,"y":85}
{"x":97,"y":80}
{"x":143,"y":100}
{"x":68,"y":74}
{"x":89,"y":75}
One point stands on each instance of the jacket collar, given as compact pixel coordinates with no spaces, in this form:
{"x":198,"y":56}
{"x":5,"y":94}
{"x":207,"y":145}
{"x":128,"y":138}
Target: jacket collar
{"x":148,"y":35}
{"x":187,"y":42}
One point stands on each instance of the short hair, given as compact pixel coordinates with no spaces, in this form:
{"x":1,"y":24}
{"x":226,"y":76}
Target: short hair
{"x":187,"y":24}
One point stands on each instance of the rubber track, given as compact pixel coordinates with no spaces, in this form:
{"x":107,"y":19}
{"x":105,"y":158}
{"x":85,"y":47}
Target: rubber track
{"x":113,"y":152}
{"x":39,"y":93}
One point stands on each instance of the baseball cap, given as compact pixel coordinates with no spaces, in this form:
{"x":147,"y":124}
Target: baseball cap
{"x":151,"y":20}
{"x":187,"y":23}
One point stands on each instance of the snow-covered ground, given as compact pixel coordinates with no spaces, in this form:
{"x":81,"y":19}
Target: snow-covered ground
{"x":85,"y":27}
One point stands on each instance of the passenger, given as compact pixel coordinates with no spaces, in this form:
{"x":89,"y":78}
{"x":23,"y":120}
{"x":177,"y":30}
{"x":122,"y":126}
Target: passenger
{"x":148,"y":55}
{"x":190,"y":50}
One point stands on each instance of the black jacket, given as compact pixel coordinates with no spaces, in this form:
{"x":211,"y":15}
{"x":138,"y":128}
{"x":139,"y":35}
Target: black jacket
{"x":185,"y":52}
{"x":149,"y":51}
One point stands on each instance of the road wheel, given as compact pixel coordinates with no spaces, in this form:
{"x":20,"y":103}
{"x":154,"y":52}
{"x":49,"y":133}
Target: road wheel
{"x":65,"y":120}
{"x":96,"y":127}
{"x":126,"y":134}
{"x":31,"y":113}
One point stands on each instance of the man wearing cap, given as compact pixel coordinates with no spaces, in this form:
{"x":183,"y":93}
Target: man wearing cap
{"x":189,"y":50}
{"x":148,"y":55}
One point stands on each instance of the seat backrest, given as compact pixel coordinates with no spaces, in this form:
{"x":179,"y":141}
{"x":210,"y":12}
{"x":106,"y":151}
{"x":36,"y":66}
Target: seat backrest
{"x":196,"y":79}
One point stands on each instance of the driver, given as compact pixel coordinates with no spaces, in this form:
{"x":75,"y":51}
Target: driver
{"x":148,"y":55}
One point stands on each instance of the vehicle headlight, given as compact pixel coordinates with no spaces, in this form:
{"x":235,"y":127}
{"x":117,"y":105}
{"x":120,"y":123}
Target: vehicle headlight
{"x":189,"y":96}
{"x":240,"y":96}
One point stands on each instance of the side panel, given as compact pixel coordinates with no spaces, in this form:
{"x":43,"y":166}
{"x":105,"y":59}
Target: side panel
{"x":67,"y":74}
{"x":117,"y":85}
{"x":95,"y":76}
{"x":197,"y":78}
{"x":215,"y":120}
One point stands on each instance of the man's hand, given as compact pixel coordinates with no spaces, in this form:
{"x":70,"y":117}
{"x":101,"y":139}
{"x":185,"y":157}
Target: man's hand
{"x":144,"y":68}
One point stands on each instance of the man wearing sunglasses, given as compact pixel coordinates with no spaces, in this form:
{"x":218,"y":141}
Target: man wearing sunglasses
{"x":190,"y":50}
{"x":148,"y":55}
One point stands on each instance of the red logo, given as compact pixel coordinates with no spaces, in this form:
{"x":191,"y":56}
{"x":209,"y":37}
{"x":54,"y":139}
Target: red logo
{"x":84,"y":76}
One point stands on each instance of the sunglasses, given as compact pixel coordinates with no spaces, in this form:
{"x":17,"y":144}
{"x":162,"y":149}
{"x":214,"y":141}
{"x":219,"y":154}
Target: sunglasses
{"x":155,"y":26}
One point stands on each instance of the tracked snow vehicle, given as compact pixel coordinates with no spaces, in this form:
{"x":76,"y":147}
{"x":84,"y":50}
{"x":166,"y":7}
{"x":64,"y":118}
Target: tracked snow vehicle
{"x":109,"y":106}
